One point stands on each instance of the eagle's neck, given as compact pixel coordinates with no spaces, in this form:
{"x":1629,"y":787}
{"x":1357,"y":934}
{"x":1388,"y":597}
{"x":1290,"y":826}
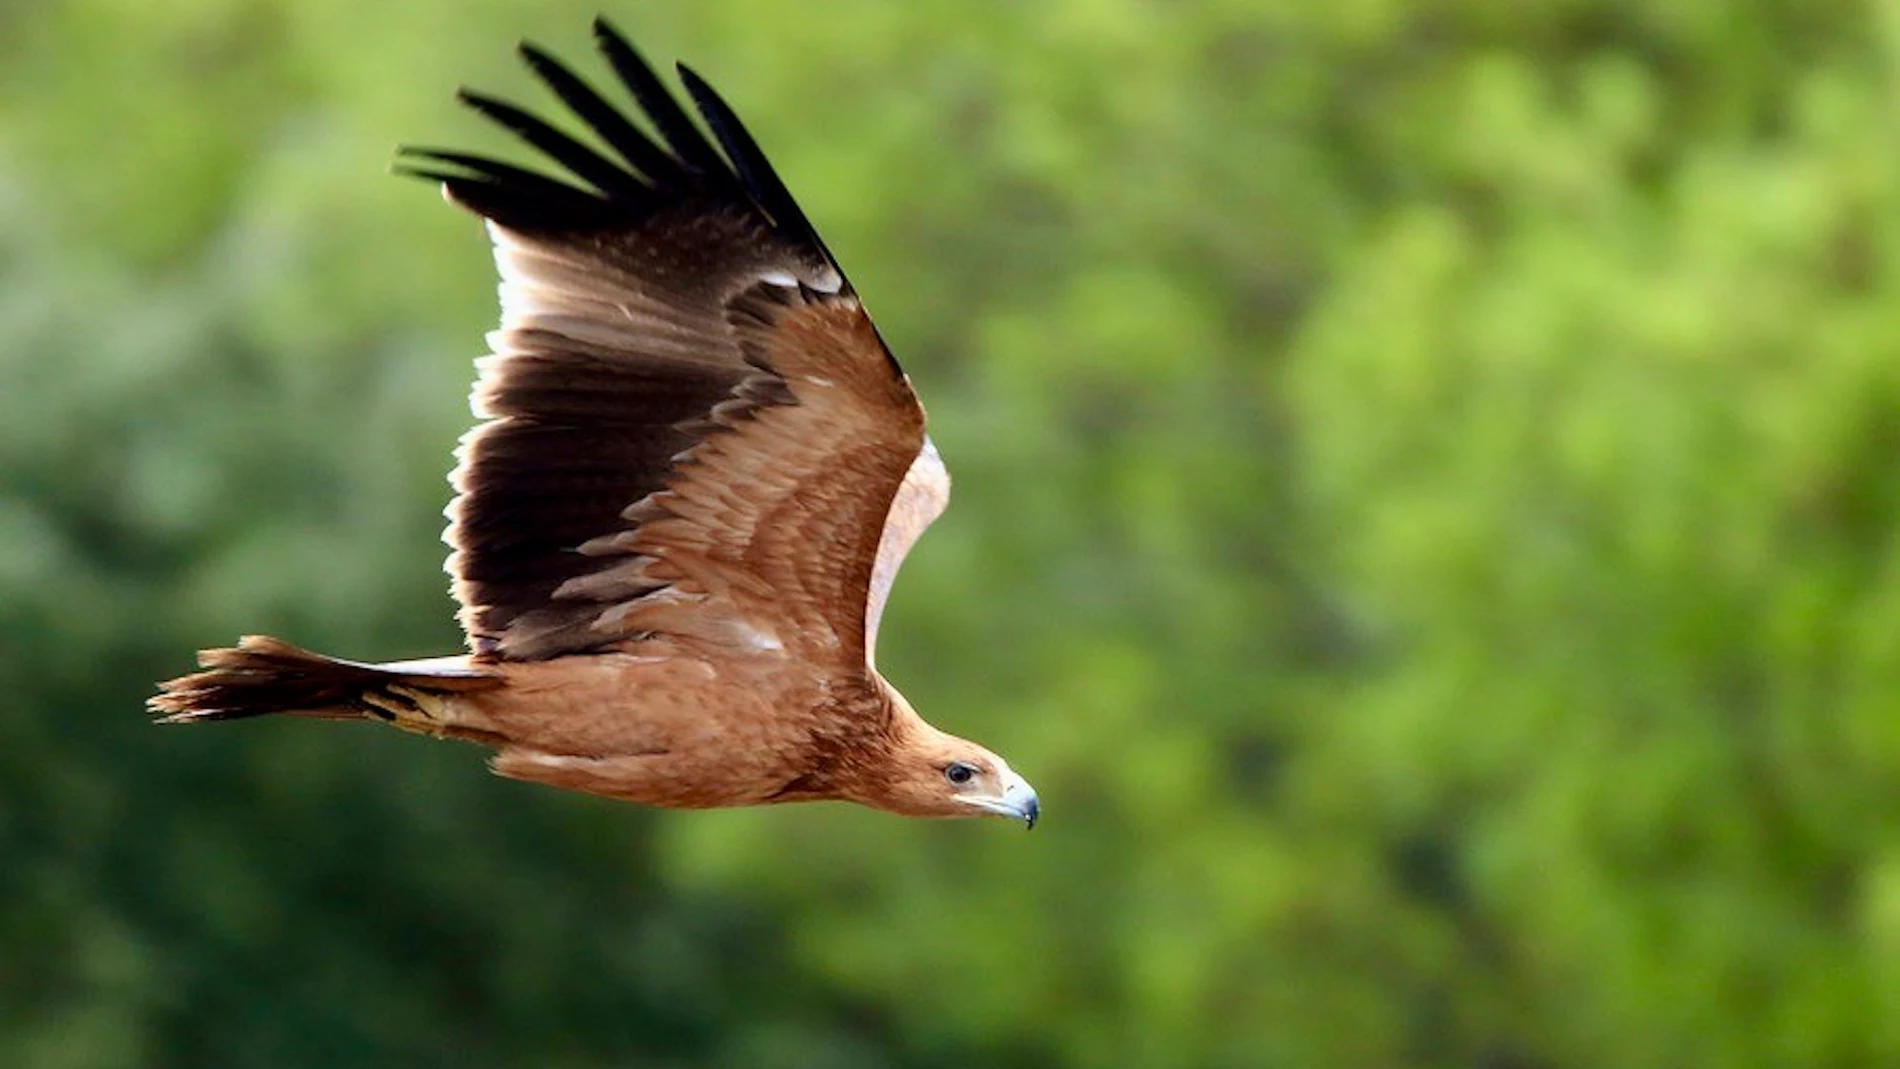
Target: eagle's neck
{"x":897,"y":767}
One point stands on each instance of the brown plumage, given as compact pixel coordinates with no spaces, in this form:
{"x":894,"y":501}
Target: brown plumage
{"x":674,"y":532}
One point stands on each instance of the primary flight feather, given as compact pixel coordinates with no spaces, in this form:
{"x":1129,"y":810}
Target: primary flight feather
{"x":697,"y":474}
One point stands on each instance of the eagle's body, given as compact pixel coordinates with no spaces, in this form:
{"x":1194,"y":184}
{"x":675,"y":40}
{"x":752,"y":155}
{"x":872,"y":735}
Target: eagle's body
{"x":698,"y":474}
{"x":672,"y":726}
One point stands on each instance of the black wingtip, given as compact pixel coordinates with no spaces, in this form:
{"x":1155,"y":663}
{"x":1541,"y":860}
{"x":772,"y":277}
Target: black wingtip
{"x":761,"y":180}
{"x":671,"y":158}
{"x":605,"y":31}
{"x":537,"y":58}
{"x":692,"y":81}
{"x":415,"y":161}
{"x":676,"y":128}
{"x":647,"y":159}
{"x":534,"y":55}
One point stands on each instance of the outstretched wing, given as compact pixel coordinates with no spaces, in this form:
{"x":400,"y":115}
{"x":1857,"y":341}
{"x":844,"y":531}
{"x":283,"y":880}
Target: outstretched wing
{"x":692,"y":427}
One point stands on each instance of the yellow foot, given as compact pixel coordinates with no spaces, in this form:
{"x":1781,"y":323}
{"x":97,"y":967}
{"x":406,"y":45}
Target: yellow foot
{"x":407,"y":708}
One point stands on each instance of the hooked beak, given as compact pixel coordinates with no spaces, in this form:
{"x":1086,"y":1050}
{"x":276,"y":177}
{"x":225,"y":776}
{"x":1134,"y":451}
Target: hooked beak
{"x":1017,"y":802}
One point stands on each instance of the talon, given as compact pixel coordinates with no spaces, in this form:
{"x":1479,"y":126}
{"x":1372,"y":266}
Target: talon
{"x":387,"y":707}
{"x":410,"y":697}
{"x":404,"y":707}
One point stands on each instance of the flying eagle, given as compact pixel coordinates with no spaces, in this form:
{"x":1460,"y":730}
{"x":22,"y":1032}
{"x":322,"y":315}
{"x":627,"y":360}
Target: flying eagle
{"x":697,"y":472}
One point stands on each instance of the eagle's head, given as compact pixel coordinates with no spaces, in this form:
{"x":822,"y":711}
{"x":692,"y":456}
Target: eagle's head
{"x":929,"y":773}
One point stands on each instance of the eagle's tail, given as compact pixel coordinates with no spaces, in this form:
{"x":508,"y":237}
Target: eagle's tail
{"x":263,"y":675}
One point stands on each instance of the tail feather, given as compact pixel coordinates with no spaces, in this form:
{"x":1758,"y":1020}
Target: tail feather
{"x":263,"y":675}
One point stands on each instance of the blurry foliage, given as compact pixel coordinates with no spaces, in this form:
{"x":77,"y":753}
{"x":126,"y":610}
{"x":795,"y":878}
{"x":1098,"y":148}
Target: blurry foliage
{"x":1426,"y":518}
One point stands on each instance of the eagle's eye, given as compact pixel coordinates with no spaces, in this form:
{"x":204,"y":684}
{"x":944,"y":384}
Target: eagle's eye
{"x":959,"y":773}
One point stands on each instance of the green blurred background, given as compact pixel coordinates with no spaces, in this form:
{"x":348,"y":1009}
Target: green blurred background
{"x":1426,"y":519}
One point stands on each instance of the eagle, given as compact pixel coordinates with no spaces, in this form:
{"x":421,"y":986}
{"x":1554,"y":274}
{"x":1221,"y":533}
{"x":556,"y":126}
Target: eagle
{"x":696,"y":471}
